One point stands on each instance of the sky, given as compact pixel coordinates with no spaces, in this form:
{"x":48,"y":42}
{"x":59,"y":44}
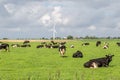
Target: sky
{"x":42,"y":18}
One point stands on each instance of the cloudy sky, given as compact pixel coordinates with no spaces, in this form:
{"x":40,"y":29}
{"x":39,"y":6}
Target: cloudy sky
{"x":79,"y":18}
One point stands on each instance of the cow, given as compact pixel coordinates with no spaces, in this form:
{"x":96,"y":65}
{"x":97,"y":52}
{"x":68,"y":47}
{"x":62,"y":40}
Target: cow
{"x":62,"y":49}
{"x":62,"y":43}
{"x":77,"y":54}
{"x":26,"y":45}
{"x":84,"y":44}
{"x":98,"y":43}
{"x":55,"y":46}
{"x":26,"y":42}
{"x":99,"y":62}
{"x":118,"y":43}
{"x":39,"y":46}
{"x":53,"y":42}
{"x":15,"y":45}
{"x":48,"y":45}
{"x":72,"y":46}
{"x":4,"y":46}
{"x":106,"y":45}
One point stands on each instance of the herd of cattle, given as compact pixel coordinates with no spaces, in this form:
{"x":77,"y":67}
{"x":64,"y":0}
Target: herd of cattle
{"x":93,"y":63}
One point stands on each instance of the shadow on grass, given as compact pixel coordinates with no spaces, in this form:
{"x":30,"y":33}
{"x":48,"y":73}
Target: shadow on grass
{"x":111,"y":65}
{"x":64,"y":56}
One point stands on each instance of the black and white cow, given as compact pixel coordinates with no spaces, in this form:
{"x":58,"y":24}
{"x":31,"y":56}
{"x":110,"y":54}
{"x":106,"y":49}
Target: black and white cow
{"x":55,"y":46}
{"x":26,"y":45}
{"x":77,"y":54}
{"x":106,"y":45}
{"x":118,"y":43}
{"x":99,"y":62}
{"x":98,"y":43}
{"x":26,"y":42}
{"x":15,"y":45}
{"x":72,"y":46}
{"x":62,"y":50}
{"x":84,"y":44}
{"x":4,"y":46}
{"x":40,"y":46}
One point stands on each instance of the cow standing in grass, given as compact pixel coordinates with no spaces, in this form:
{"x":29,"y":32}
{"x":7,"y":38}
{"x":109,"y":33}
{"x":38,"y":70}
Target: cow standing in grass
{"x":118,"y":43}
{"x":62,"y":49}
{"x":98,"y":43}
{"x":99,"y":62}
{"x":4,"y":46}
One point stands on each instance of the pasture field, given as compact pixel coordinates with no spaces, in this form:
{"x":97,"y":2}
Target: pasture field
{"x":46,"y":64}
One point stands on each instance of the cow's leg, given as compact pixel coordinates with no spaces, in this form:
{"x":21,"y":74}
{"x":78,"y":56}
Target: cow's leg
{"x":95,"y":65}
{"x":62,"y":51}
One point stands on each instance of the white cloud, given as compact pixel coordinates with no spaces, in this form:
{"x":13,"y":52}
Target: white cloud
{"x":78,"y":16}
{"x":56,"y":15}
{"x":92,"y":27}
{"x":65,"y":21}
{"x":45,"y":19}
{"x":118,"y":26}
{"x":10,"y":8}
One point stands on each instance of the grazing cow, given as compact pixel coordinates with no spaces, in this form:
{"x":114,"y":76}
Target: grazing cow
{"x":26,"y":45}
{"x":98,"y":43}
{"x":118,"y":43}
{"x":72,"y":46}
{"x":4,"y":46}
{"x":15,"y":45}
{"x":106,"y":45}
{"x":99,"y":62}
{"x":39,"y":46}
{"x":62,"y":43}
{"x":78,"y":54}
{"x":62,"y":49}
{"x":48,"y":45}
{"x":55,"y":46}
{"x":84,"y":44}
{"x":53,"y":42}
{"x":26,"y":42}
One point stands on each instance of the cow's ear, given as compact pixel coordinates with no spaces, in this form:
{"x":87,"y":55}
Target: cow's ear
{"x":112,"y":55}
{"x":106,"y":55}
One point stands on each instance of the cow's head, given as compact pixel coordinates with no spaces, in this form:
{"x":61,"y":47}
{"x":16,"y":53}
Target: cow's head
{"x":109,"y":58}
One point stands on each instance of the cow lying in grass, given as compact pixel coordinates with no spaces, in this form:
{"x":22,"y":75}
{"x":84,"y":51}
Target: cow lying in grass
{"x":84,"y":44}
{"x":99,"y":62}
{"x":78,"y":54}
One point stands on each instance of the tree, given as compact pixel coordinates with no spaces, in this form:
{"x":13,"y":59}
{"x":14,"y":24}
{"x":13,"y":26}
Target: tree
{"x":69,"y":37}
{"x":5,"y":38}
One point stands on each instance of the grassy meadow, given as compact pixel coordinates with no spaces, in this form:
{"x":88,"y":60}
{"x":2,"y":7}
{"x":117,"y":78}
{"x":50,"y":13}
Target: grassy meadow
{"x":46,"y":64}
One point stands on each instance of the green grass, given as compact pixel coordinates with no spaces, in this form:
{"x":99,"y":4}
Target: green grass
{"x":47,"y":64}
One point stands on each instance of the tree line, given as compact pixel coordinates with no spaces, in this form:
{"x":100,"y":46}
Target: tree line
{"x":69,"y":37}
